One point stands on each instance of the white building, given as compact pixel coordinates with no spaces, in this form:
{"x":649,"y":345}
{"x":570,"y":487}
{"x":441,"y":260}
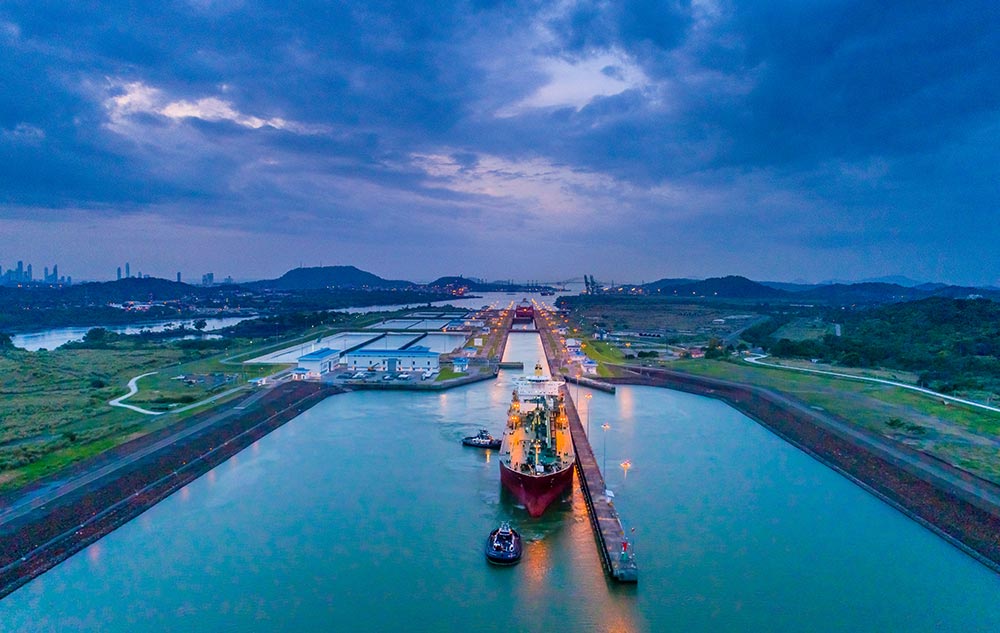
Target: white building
{"x":319,"y":362}
{"x":416,"y":358}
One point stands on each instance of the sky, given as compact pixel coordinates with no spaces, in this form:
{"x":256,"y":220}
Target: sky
{"x":630,"y":140}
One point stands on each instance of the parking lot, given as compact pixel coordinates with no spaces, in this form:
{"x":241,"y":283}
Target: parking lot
{"x":347,"y":377}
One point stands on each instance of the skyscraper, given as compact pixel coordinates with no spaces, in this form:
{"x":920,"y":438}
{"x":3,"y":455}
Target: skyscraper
{"x":119,"y":273}
{"x":178,"y":277}
{"x":127,"y":273}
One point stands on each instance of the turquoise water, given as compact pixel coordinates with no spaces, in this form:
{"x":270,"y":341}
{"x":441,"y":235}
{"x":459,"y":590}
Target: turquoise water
{"x":366,"y":514}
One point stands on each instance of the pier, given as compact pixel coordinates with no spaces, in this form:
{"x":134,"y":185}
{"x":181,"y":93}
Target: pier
{"x":618,"y":559}
{"x":619,"y":563}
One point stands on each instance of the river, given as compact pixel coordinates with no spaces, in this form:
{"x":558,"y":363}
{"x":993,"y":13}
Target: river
{"x":366,"y":514}
{"x":55,"y":337}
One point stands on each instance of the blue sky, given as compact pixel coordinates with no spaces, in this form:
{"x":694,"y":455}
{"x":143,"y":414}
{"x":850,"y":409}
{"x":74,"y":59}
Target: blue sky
{"x":629,"y":140}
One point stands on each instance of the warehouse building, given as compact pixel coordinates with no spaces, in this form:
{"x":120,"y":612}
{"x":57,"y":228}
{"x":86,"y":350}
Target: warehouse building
{"x":415,"y":358}
{"x":315,"y":364}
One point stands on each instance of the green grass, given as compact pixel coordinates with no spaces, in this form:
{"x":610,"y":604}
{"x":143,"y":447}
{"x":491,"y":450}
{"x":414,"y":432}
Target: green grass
{"x":803,"y":329}
{"x":57,"y":460}
{"x":447,"y":373}
{"x":909,"y":378}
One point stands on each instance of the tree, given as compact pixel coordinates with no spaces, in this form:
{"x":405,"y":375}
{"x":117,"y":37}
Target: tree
{"x":95,"y":335}
{"x":200,"y":324}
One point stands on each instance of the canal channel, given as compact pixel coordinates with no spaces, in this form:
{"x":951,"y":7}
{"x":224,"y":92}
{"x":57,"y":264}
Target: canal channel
{"x":365,"y":513}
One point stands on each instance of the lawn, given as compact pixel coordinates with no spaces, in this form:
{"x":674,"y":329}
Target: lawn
{"x":447,"y":373}
{"x":603,"y":353}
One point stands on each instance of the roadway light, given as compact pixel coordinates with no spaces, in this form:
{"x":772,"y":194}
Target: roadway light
{"x":605,"y":426}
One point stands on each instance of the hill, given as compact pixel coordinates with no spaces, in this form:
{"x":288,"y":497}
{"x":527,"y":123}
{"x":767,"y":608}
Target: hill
{"x":731,"y":287}
{"x":317,"y":277}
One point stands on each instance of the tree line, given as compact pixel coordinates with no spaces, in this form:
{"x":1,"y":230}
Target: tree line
{"x":952,"y":344}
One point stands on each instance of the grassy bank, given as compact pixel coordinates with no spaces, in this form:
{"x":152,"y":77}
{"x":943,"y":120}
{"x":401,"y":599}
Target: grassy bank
{"x":965,"y":437}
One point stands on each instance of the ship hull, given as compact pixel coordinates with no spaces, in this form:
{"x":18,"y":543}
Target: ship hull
{"x":536,"y":493}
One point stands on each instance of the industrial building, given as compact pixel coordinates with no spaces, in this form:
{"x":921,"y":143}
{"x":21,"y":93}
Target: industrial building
{"x":319,"y":362}
{"x":415,"y":358}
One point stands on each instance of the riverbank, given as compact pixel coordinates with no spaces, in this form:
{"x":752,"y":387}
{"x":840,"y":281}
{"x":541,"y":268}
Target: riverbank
{"x":958,"y":506}
{"x":52,"y":519}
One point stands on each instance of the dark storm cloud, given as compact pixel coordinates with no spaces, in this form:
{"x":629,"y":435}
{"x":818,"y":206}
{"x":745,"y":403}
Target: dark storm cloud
{"x":796,"y":122}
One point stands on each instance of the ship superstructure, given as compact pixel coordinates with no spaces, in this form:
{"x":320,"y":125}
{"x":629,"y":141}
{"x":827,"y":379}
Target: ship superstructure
{"x":536,"y":455}
{"x":524,"y":312}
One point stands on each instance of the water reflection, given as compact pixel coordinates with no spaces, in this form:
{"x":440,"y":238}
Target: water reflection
{"x":94,"y":553}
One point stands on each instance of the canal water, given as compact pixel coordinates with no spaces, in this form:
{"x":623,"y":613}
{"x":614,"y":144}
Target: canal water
{"x":366,"y":514}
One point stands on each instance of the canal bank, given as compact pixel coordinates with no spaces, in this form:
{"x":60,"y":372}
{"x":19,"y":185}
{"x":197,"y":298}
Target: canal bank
{"x":954,"y":504}
{"x":54,"y":518}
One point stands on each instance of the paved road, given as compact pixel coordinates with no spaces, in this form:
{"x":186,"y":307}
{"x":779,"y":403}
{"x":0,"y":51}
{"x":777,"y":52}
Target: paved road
{"x":132,"y":390}
{"x":757,"y":360}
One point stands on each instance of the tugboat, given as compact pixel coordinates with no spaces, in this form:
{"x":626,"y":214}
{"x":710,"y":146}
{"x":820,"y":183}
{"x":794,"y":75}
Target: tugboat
{"x":503,"y":547}
{"x":482,"y":440}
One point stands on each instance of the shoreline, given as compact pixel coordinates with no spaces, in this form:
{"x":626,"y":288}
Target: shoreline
{"x":954,"y":504}
{"x":36,"y":539}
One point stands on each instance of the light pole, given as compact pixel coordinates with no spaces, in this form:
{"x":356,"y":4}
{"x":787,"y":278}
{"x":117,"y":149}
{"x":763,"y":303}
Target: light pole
{"x":588,"y":397}
{"x":604,"y":469}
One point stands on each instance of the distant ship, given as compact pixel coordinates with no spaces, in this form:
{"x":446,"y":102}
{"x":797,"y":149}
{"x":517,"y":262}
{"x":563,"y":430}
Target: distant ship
{"x":536,"y":454}
{"x":524,"y":312}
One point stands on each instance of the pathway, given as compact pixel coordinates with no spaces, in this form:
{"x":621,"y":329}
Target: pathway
{"x":756,"y":360}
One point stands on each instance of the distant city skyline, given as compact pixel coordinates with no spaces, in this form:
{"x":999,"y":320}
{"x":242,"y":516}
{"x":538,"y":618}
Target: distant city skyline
{"x":635,"y":140}
{"x":209,"y":278}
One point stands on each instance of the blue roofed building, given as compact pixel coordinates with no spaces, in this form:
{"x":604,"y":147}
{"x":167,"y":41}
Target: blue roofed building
{"x":415,"y":358}
{"x":318,"y":362}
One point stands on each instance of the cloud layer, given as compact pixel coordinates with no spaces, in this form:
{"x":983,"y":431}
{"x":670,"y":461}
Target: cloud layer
{"x":525,"y":139}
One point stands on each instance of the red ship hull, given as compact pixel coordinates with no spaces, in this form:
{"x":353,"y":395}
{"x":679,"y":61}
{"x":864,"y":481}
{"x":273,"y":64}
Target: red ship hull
{"x":536,"y":493}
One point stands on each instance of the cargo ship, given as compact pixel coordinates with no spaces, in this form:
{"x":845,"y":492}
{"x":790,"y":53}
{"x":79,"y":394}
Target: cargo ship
{"x":536,"y":453}
{"x":524,"y":312}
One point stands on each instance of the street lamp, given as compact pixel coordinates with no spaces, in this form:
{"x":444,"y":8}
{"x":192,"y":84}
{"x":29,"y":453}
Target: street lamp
{"x":588,"y":397}
{"x":604,"y":469}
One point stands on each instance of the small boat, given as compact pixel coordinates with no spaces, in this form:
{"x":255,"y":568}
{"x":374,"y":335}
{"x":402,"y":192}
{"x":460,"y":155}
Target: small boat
{"x":503,"y":547}
{"x":482,"y":440}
